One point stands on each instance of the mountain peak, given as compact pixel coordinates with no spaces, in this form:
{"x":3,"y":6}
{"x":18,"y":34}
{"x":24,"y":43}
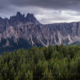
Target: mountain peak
{"x":18,"y":14}
{"x":30,"y":14}
{"x":31,"y":18}
{"x":16,"y":19}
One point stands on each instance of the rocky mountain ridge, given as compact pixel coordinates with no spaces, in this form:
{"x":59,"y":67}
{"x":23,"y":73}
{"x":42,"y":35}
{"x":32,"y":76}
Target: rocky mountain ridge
{"x":25,"y":32}
{"x":17,"y":19}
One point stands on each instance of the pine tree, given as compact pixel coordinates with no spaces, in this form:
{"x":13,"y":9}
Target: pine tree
{"x":45,"y":74}
{"x":50,"y":75}
{"x":29,"y":75}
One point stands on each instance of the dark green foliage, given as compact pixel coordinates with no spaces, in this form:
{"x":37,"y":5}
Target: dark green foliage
{"x":43,"y":63}
{"x":21,"y":43}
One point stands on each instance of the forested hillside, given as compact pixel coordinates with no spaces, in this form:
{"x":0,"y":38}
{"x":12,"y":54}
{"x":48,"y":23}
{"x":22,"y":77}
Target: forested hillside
{"x":41,"y":63}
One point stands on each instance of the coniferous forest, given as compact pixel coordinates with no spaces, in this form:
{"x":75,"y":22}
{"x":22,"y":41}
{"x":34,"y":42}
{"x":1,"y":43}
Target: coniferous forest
{"x":41,"y":63}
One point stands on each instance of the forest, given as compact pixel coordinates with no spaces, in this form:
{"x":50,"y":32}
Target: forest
{"x":58,"y":62}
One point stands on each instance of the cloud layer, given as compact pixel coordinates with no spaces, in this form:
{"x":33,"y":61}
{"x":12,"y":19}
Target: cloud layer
{"x":46,"y":11}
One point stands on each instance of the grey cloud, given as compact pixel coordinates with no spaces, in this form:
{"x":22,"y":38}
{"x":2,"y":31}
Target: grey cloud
{"x":48,"y":4}
{"x":55,"y":19}
{"x":74,"y":14}
{"x":53,"y":4}
{"x":40,"y":7}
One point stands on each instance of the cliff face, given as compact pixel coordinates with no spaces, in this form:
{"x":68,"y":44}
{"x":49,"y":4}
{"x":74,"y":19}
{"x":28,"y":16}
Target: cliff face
{"x":24,"y":32}
{"x":17,"y":19}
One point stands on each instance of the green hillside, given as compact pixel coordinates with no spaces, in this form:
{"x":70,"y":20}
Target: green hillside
{"x":41,"y":63}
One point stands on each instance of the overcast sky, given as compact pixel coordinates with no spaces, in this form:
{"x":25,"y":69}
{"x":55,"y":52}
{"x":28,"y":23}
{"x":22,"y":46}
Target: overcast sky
{"x":46,"y":11}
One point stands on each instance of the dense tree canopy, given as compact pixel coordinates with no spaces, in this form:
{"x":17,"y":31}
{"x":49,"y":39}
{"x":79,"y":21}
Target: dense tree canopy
{"x":41,"y":63}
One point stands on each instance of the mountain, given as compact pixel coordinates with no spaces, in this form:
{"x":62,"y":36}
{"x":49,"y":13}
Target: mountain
{"x":25,"y":32}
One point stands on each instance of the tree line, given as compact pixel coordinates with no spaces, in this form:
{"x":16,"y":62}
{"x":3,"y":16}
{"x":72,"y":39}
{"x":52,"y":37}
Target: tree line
{"x":56,"y":62}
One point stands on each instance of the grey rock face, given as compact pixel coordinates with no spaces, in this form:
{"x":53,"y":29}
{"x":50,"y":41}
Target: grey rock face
{"x":20,"y":29}
{"x":16,"y":20}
